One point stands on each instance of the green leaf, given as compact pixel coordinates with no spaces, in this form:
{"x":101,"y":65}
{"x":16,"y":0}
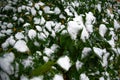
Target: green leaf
{"x":42,"y":69}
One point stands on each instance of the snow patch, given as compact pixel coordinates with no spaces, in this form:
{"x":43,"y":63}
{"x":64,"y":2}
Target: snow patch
{"x":83,"y":76}
{"x":36,"y":20}
{"x":78,"y":64}
{"x":101,"y":78}
{"x":27,"y":62}
{"x":45,"y":58}
{"x":73,"y":29}
{"x":64,"y":62}
{"x":99,"y":51}
{"x":47,"y":10}
{"x":102,"y":29}
{"x":84,"y":35}
{"x":85,"y":51}
{"x":57,"y":10}
{"x":23,"y":77}
{"x":32,"y":33}
{"x":58,"y":77}
{"x":4,"y":76}
{"x":99,"y":7}
{"x":5,"y":63}
{"x":38,"y":28}
{"x":21,"y":46}
{"x":116,"y":24}
{"x":48,"y":51}
{"x":33,"y":11}
{"x":19,"y":35}
{"x":37,"y":78}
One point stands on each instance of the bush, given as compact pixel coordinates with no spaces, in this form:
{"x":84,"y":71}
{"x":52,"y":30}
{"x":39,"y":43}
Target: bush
{"x":59,"y":40}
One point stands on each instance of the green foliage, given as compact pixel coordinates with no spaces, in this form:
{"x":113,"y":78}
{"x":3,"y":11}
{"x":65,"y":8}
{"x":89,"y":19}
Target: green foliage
{"x":44,"y":63}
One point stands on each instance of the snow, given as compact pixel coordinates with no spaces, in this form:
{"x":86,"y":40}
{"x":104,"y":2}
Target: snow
{"x":4,"y":76}
{"x":110,"y":14}
{"x":32,"y":33}
{"x":102,"y":29}
{"x":5,"y":45}
{"x":58,"y":27}
{"x":48,"y":51}
{"x":21,"y":46}
{"x":37,"y":78}
{"x":85,"y":52}
{"x":23,"y":7}
{"x":89,"y":28}
{"x":37,"y":6}
{"x":58,"y":77}
{"x":9,"y":41}
{"x":57,"y":10}
{"x":99,"y":51}
{"x":101,"y":78}
{"x":39,"y":53}
{"x":42,"y":21}
{"x":99,"y":7}
{"x":90,"y":19}
{"x":19,"y":9}
{"x":19,"y":35}
{"x":5,"y":63}
{"x":111,"y":42}
{"x":83,"y":76}
{"x":21,"y":20}
{"x":23,"y":78}
{"x":3,"y":27}
{"x":26,"y":24}
{"x":14,"y":18}
{"x":68,"y":12}
{"x":78,"y":64}
{"x":27,"y":62}
{"x":1,"y":35}
{"x":105,"y":59}
{"x":45,"y":58}
{"x":40,"y":12}
{"x":33,"y":11}
{"x":36,"y":43}
{"x":36,"y":20}
{"x":9,"y":31}
{"x":116,"y":24}
{"x":48,"y":25}
{"x":64,"y":62}
{"x":53,"y":34}
{"x":62,"y":16}
{"x":73,"y":29}
{"x":47,"y":10}
{"x":84,"y":35}
{"x":9,"y":25}
{"x":46,"y":33}
{"x":41,"y":3}
{"x":42,"y":36}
